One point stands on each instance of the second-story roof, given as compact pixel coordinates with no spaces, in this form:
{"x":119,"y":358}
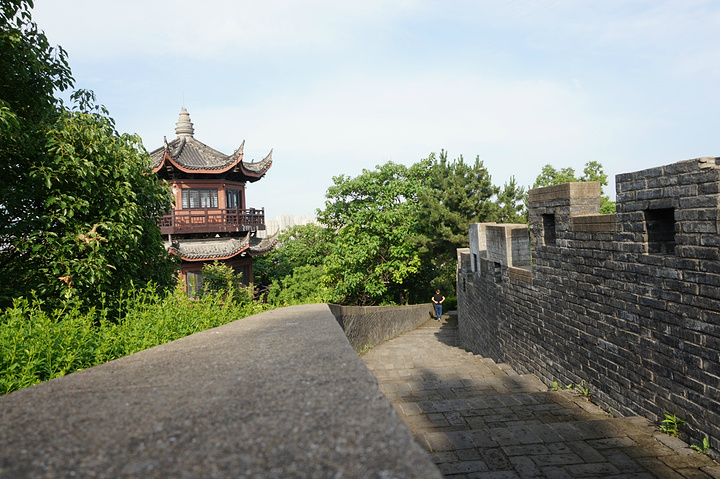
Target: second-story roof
{"x":222,"y":248}
{"x":188,"y":155}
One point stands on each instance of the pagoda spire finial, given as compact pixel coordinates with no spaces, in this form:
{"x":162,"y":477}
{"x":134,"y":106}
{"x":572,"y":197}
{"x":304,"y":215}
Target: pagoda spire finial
{"x":184,"y":127}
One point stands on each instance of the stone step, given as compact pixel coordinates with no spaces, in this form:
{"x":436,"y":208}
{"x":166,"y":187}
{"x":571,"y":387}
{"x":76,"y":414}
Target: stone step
{"x":478,"y":418}
{"x":540,"y":434}
{"x":477,"y":410}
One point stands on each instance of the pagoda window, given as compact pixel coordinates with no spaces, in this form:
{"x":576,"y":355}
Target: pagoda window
{"x":233,"y":199}
{"x":199,"y":198}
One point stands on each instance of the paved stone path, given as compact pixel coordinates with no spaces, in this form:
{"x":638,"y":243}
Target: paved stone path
{"x":479,"y":419}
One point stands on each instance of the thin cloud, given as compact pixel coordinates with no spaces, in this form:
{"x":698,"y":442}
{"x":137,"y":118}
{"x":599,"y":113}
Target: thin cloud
{"x":214,"y":29}
{"x":335,"y":87}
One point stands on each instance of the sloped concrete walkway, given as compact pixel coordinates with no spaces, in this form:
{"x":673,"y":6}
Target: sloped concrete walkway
{"x":479,"y":419}
{"x":278,"y":395}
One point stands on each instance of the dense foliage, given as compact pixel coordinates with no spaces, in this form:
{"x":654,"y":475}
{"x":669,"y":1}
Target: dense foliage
{"x":512,"y":203}
{"x":220,"y":279}
{"x":454,"y":194}
{"x":593,"y":171}
{"x":294,"y":269}
{"x":373,"y":219}
{"x":297,"y":246}
{"x":77,"y":202}
{"x":37,"y":345}
{"x":305,"y":285}
{"x":30,"y":74}
{"x":389,"y":235}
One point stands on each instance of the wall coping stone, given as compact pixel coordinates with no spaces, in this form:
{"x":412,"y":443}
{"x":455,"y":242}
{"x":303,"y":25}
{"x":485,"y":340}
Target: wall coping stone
{"x":279,"y":394}
{"x":575,"y":190}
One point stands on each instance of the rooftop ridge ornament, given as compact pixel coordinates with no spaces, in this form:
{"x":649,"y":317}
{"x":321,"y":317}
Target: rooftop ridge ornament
{"x":184,"y":127}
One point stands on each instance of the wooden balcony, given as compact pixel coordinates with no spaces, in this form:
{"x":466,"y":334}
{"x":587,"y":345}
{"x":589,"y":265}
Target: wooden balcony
{"x":212,"y":221}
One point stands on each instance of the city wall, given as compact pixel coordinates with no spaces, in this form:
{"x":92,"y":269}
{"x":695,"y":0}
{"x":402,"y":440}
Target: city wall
{"x":629,"y":303}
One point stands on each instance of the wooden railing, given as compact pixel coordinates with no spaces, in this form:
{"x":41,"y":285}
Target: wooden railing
{"x":212,"y":220}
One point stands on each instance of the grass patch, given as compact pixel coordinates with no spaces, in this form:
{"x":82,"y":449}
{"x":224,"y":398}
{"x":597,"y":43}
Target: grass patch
{"x":37,"y":346}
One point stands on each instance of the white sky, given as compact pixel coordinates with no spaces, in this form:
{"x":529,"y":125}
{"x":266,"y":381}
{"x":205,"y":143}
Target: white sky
{"x":335,"y":86}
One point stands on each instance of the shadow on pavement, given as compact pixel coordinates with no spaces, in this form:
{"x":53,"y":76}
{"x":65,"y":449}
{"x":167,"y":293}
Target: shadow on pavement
{"x":477,"y":418}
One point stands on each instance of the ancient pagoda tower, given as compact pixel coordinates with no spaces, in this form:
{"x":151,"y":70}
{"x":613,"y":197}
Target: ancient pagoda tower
{"x":210,"y":219}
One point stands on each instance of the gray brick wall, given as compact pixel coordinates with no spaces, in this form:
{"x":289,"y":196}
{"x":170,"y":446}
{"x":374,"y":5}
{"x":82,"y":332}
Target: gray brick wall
{"x":629,"y":303}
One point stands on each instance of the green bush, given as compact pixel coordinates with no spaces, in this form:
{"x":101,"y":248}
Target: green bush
{"x":36,"y":346}
{"x":219,"y":278}
{"x":304,"y":286}
{"x":450,"y":303}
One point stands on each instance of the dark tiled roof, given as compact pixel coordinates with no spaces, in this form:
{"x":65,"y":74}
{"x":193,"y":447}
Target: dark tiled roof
{"x":195,"y":155}
{"x":211,"y":248}
{"x":260,"y":246}
{"x":260,"y":166}
{"x":218,"y":248}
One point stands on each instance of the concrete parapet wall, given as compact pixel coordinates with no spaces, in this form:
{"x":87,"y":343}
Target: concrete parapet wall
{"x":277,"y":395}
{"x":371,"y":325}
{"x":629,"y":303}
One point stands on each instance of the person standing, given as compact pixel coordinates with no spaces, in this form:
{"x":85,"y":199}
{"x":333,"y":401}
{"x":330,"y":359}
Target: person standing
{"x":438,"y":299}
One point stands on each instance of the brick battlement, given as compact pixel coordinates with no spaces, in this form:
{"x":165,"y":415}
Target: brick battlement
{"x":629,"y":302}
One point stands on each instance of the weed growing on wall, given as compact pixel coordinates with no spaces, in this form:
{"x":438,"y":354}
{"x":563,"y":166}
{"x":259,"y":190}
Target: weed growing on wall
{"x":36,"y":346}
{"x":671,"y":425}
{"x":702,"y":448}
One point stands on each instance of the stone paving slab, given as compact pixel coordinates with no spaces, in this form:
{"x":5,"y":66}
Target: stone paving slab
{"x":478,"y":419}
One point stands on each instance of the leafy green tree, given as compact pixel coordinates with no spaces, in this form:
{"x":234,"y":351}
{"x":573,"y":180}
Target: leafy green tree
{"x":373,"y":217}
{"x":453,"y":195}
{"x":593,"y":171}
{"x":306,"y":284}
{"x":298,"y":246}
{"x":31,"y":72}
{"x":77,"y":200}
{"x":550,"y":176}
{"x":219,"y":278}
{"x":96,"y":231}
{"x":390,"y":234}
{"x":511,"y":201}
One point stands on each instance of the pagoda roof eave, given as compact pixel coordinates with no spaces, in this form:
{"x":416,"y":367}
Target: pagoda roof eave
{"x":215,"y":171}
{"x":251,"y":171}
{"x":257,"y":170}
{"x":263,"y":246}
{"x":222,"y":249}
{"x":212,"y":258}
{"x":190,"y":154}
{"x":210,"y":249}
